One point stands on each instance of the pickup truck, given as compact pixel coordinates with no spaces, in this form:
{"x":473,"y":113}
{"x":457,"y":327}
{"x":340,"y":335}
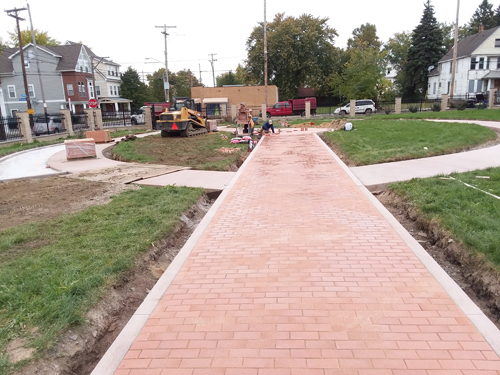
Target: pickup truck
{"x":291,"y":107}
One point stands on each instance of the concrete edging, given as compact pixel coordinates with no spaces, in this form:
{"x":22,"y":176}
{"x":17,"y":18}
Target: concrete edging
{"x":482,"y":323}
{"x":117,"y":351}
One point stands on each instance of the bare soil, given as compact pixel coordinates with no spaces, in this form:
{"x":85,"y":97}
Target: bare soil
{"x":80,"y":349}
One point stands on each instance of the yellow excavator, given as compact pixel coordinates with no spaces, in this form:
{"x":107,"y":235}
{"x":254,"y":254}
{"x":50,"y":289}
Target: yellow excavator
{"x":182,"y":118}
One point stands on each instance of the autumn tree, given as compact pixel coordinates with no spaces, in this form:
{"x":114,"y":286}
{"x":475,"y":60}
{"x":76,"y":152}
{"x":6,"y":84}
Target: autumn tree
{"x":300,"y":53}
{"x":364,"y":37}
{"x":425,"y":51}
{"x":133,"y":88}
{"x":41,"y":37}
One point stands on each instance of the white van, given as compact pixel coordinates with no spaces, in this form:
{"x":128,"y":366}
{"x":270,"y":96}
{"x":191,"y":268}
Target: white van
{"x":366,"y":106}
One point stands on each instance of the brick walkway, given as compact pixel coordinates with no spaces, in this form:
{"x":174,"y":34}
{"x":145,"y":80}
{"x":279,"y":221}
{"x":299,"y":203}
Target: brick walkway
{"x":298,"y":273}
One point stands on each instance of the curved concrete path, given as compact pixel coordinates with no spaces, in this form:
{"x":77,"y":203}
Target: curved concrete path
{"x":429,"y":167}
{"x":298,"y":270}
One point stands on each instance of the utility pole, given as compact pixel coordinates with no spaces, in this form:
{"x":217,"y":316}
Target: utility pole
{"x":166,"y":84}
{"x":454,"y":67}
{"x":37,"y":63}
{"x":93,"y":76}
{"x":265,"y":50}
{"x":199,"y":67}
{"x":212,"y":62}
{"x":10,"y":14}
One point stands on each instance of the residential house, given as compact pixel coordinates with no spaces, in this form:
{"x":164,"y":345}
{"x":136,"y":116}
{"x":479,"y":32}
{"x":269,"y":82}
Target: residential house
{"x":107,"y":83}
{"x":477,"y":67}
{"x":65,"y":74}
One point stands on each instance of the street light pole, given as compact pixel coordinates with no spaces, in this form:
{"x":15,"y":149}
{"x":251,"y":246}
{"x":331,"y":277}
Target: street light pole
{"x":166,"y":84}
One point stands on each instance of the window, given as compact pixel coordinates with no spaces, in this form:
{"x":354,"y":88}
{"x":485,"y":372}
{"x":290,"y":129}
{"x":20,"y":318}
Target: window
{"x":287,"y":105}
{"x":118,"y":90}
{"x":69,"y":87}
{"x":479,"y":86}
{"x":449,"y":84}
{"x":13,"y":112}
{"x":12,"y":91}
{"x":31,"y":91}
{"x":98,"y":90}
{"x":91,"y":90}
{"x":81,"y":89}
{"x":481,"y":63}
{"x":434,"y":88}
{"x":471,"y":86}
{"x":278,"y":105}
{"x":26,"y":64}
{"x":473,"y":63}
{"x":451,"y":66}
{"x":497,"y":42}
{"x":488,"y":63}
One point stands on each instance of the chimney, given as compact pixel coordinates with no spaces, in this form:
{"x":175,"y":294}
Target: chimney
{"x":481,"y":28}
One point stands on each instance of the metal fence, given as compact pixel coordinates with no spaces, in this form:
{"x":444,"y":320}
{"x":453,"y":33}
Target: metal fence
{"x":10,"y":129}
{"x":116,"y":118}
{"x":79,"y":122}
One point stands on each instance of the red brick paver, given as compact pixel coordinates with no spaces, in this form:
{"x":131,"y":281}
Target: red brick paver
{"x":298,"y":273}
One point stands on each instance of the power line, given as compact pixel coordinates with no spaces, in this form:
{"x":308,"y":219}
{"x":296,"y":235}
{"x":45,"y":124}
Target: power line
{"x":212,"y":62}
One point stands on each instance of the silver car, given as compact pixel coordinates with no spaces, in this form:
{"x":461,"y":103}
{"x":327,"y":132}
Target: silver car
{"x":47,"y":125}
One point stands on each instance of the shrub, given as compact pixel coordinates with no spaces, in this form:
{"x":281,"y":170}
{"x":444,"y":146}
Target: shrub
{"x":460,"y":105}
{"x":481,"y":105}
{"x":413,"y":108}
{"x":436,"y":107}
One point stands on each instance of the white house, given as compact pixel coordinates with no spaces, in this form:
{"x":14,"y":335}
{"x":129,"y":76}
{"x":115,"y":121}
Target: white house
{"x":477,"y":70}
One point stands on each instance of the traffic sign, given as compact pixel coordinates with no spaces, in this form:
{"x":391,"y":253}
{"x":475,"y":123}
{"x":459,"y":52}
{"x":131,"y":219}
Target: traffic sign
{"x":31,"y":111}
{"x":23,"y":96}
{"x":93,"y":103}
{"x":22,"y":99}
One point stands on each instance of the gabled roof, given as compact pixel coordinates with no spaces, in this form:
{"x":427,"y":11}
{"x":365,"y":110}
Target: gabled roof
{"x":6,"y":63}
{"x":69,"y":54}
{"x":468,"y":45}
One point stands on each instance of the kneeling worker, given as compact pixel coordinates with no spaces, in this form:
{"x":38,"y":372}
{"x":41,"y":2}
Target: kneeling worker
{"x":268,"y":125}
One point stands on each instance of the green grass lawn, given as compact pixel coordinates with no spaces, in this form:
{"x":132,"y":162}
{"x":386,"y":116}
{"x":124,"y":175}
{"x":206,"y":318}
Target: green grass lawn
{"x":199,"y":152}
{"x":468,"y":114}
{"x":379,"y":141}
{"x":52,"y":272}
{"x":470,"y":215}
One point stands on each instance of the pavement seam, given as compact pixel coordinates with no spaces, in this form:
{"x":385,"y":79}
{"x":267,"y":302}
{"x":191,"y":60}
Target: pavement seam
{"x":482,"y":323}
{"x":117,"y":351}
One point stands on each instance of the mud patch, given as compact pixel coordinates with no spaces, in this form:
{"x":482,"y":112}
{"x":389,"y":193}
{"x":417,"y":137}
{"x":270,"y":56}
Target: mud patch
{"x":471,"y":272}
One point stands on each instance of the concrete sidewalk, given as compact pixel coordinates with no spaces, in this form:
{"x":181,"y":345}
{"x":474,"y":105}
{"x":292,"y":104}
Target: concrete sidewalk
{"x":433,"y":166}
{"x":298,"y":270}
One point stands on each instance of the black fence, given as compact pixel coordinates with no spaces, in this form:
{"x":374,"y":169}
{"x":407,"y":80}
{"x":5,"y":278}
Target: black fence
{"x":51,"y":123}
{"x":79,"y":122}
{"x":9,"y":129}
{"x":116,"y":118}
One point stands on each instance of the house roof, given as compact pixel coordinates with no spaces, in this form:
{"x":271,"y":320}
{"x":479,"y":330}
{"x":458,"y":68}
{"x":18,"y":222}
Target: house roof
{"x":468,"y":45}
{"x":6,"y":63}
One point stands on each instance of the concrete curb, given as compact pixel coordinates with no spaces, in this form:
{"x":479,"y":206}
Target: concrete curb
{"x":482,"y":323}
{"x":117,"y":351}
{"x":25,"y":151}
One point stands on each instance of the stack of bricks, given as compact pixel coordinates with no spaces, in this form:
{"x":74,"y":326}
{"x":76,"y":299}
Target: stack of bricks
{"x":100,"y":136}
{"x":80,"y":148}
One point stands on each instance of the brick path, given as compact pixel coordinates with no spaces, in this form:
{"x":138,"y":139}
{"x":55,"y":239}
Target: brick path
{"x":299,"y":274}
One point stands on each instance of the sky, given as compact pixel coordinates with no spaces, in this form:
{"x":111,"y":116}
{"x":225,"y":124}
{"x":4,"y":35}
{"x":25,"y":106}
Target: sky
{"x":126,"y":32}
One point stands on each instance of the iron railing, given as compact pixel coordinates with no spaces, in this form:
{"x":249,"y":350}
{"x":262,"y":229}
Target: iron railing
{"x":79,"y":122}
{"x":10,"y":129}
{"x":116,"y":118}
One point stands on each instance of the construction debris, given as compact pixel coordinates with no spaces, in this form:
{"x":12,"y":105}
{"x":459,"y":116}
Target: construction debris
{"x":228,"y":150}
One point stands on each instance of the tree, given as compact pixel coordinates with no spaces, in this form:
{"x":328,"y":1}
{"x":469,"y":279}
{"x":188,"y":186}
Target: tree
{"x":364,"y":36}
{"x":41,"y":37}
{"x":2,"y":45}
{"x":300,"y":53}
{"x":397,"y":49}
{"x":484,"y":15}
{"x":362,"y":74}
{"x":425,"y":51}
{"x":181,"y":83}
{"x":228,"y":78}
{"x":133,"y":88}
{"x":448,"y":31}
{"x":156,"y":87}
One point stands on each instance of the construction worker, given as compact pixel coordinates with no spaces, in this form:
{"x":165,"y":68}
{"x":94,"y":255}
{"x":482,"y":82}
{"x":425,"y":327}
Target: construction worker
{"x":268,"y":125}
{"x":251,"y":125}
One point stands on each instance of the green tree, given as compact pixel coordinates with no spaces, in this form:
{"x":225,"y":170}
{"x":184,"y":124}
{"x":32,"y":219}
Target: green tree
{"x":228,"y":78}
{"x":41,"y":37}
{"x":2,"y":45}
{"x":133,"y":88}
{"x":156,"y":87}
{"x":181,"y":83}
{"x":448,"y":31}
{"x":426,"y":50}
{"x":363,"y":37}
{"x":300,"y":53}
{"x":363,"y":74}
{"x":242,"y":75}
{"x":397,"y":48}
{"x":484,"y":15}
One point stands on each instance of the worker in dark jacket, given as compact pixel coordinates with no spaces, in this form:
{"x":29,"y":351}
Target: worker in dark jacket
{"x":268,"y":125}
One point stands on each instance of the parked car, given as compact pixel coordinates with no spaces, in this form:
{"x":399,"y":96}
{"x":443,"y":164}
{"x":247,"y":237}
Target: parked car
{"x":366,"y":106}
{"x":47,"y":125}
